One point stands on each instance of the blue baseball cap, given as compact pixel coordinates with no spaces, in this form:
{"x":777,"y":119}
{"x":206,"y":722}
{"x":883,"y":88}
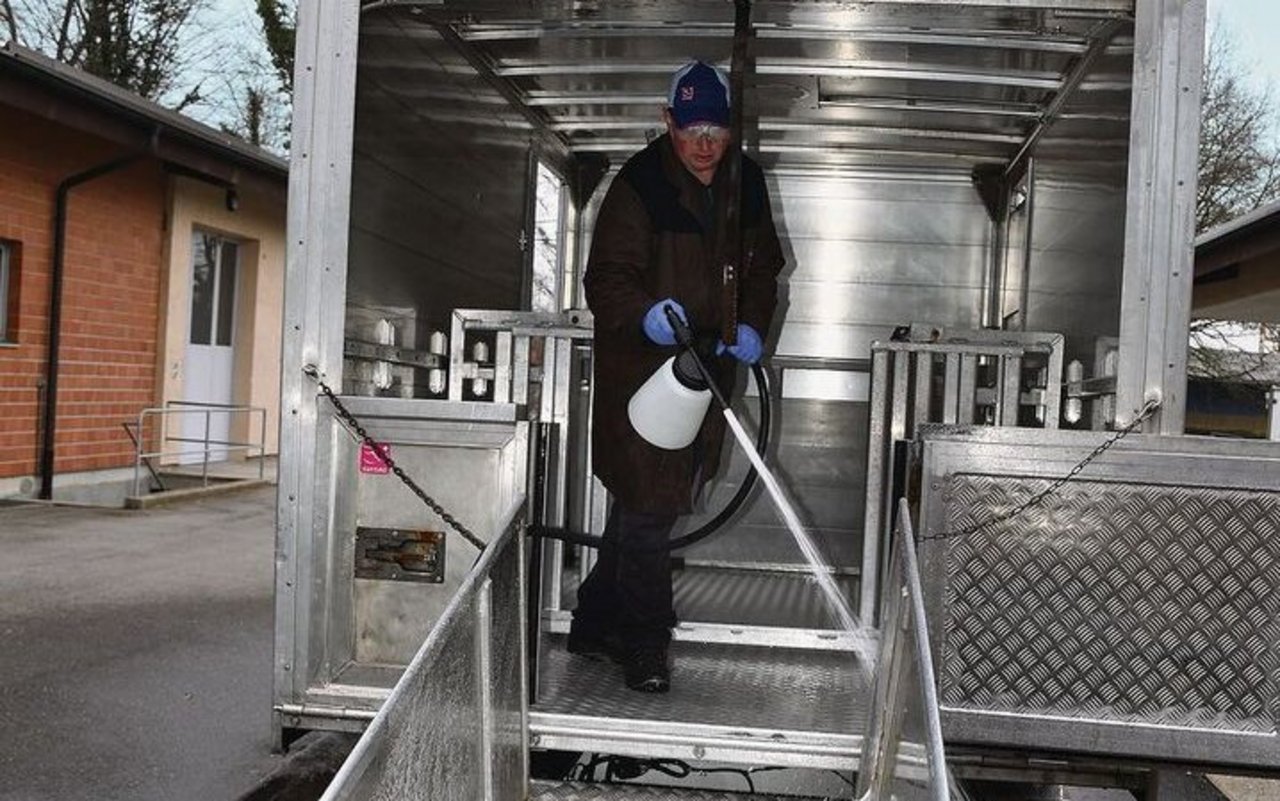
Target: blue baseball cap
{"x":699,"y":93}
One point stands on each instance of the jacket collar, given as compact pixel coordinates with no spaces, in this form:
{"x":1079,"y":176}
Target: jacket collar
{"x":690,"y":190}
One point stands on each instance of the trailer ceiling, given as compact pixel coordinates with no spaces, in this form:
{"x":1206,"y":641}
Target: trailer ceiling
{"x":931,"y":85}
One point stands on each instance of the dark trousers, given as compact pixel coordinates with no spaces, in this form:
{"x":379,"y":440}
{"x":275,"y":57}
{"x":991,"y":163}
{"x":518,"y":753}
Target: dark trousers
{"x":628,"y":593}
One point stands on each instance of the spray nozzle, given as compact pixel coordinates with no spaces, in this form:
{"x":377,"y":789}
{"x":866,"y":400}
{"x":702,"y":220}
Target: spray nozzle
{"x":684,"y":337}
{"x":692,"y":363}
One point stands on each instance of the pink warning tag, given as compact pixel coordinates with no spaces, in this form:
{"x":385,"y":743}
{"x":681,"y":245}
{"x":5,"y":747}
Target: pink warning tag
{"x":371,"y":461}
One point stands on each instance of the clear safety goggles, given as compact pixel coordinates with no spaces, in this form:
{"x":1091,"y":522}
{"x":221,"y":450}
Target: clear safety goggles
{"x":699,"y":131}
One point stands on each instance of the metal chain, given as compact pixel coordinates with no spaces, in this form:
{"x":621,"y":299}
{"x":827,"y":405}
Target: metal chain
{"x":1148,"y":409}
{"x":350,"y":420}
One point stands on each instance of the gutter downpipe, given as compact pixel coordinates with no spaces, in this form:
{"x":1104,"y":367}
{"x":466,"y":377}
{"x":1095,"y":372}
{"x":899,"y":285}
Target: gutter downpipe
{"x":55,"y":311}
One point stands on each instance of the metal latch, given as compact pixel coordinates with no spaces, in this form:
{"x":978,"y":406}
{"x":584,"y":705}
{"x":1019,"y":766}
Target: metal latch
{"x":400,"y":554}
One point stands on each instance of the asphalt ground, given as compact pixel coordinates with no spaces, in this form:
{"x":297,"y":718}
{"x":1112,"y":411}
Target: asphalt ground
{"x":135,"y":650}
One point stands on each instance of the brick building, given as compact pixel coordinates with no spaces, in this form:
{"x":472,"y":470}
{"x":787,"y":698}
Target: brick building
{"x":166,"y":238}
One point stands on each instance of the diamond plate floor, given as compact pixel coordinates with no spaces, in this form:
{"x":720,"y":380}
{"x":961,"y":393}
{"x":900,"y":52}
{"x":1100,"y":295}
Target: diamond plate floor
{"x":719,"y":685}
{"x":743,"y":597}
{"x":551,"y":791}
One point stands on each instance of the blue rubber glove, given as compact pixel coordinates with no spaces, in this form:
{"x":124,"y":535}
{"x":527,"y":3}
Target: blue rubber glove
{"x":656,"y":327}
{"x":749,"y":348}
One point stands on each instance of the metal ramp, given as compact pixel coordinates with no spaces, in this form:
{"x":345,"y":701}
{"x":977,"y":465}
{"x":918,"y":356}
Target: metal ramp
{"x":458,"y":723}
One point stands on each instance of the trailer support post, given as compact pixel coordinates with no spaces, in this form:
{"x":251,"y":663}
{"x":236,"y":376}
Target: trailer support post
{"x":1155,"y":302}
{"x":314,"y":307}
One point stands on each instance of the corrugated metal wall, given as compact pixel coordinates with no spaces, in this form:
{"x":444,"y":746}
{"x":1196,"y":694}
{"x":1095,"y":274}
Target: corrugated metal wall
{"x":866,"y":251}
{"x":1077,"y":255}
{"x":873,"y":250}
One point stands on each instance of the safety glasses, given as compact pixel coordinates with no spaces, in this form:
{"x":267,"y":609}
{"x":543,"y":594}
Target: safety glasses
{"x":714,"y":134}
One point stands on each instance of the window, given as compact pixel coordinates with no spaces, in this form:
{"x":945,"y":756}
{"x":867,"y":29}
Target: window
{"x":545,"y":295}
{"x":213,"y":288}
{"x":8,"y":291}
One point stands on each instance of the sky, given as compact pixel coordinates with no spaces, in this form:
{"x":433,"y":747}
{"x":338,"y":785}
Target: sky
{"x":1253,"y":25}
{"x":227,"y":36}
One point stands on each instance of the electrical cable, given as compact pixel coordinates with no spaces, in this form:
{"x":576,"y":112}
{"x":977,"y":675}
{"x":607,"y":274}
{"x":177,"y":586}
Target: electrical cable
{"x":622,"y":769}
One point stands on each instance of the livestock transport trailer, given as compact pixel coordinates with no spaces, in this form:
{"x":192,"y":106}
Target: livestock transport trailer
{"x":986,"y":210}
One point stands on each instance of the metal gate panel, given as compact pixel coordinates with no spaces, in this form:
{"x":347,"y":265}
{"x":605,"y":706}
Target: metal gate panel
{"x":1133,"y":612}
{"x":903,"y":399}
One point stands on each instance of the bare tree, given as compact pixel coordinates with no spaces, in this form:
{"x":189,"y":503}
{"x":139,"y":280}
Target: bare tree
{"x":255,"y":98}
{"x":260,"y":114}
{"x":11,"y":24}
{"x":252,"y":124}
{"x":189,"y":55}
{"x":1239,"y":158}
{"x":137,"y":44}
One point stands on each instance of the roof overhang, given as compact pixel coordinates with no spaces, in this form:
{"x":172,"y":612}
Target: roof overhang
{"x":54,"y":91}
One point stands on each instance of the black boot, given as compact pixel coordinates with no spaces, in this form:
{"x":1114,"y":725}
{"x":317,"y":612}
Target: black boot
{"x":645,"y":669}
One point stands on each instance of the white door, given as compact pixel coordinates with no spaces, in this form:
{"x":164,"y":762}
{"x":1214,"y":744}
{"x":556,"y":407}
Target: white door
{"x":207,"y":376}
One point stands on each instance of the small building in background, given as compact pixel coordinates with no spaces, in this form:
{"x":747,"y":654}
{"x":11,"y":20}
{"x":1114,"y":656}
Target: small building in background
{"x":1233,"y":368}
{"x":1233,"y":393}
{"x":141,"y":267}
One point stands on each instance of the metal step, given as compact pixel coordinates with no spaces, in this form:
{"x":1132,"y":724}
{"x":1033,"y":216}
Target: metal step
{"x":755,"y":598}
{"x":581,"y":791}
{"x":741,"y":705}
{"x":743,"y":597}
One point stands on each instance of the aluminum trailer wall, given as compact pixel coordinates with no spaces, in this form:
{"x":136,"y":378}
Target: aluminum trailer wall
{"x":439,"y":196}
{"x":1071,"y":283}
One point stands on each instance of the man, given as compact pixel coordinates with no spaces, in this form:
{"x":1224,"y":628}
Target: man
{"x":654,"y":246}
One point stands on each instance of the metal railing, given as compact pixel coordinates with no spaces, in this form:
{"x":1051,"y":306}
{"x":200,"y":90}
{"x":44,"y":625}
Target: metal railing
{"x":208,"y":446}
{"x":903,"y":755}
{"x":458,"y":717}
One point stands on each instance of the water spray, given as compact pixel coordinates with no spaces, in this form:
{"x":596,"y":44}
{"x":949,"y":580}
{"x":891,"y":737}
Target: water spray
{"x":668,"y":410}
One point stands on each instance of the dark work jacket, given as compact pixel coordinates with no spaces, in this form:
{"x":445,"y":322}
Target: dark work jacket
{"x":654,"y":239}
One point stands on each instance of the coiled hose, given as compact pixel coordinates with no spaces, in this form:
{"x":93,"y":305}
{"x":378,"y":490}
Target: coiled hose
{"x":712,"y":525}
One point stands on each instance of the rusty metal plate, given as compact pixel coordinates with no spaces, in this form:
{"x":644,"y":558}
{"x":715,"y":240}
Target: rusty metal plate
{"x":400,"y":554}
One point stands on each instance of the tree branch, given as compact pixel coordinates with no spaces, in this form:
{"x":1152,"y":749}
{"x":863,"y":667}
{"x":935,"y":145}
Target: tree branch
{"x":11,"y":20}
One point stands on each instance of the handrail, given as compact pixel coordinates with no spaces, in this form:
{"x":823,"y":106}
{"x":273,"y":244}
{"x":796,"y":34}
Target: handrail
{"x":472,"y":606}
{"x":173,"y":408}
{"x":905,"y":690}
{"x":203,"y":404}
{"x":155,"y":476}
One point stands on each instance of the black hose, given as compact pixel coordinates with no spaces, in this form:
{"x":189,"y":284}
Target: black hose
{"x":712,"y":525}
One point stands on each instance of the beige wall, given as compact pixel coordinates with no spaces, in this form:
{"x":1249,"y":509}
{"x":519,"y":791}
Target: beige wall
{"x":259,"y":225}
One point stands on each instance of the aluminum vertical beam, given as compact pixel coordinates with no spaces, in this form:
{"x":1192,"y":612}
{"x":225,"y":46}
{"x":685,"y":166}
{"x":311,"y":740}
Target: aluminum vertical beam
{"x":1008,"y":393}
{"x":1155,"y":304}
{"x":968,"y":387}
{"x":873,"y":513}
{"x":951,"y":389}
{"x":502,"y":358}
{"x":316,"y":271}
{"x":923,"y":390}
